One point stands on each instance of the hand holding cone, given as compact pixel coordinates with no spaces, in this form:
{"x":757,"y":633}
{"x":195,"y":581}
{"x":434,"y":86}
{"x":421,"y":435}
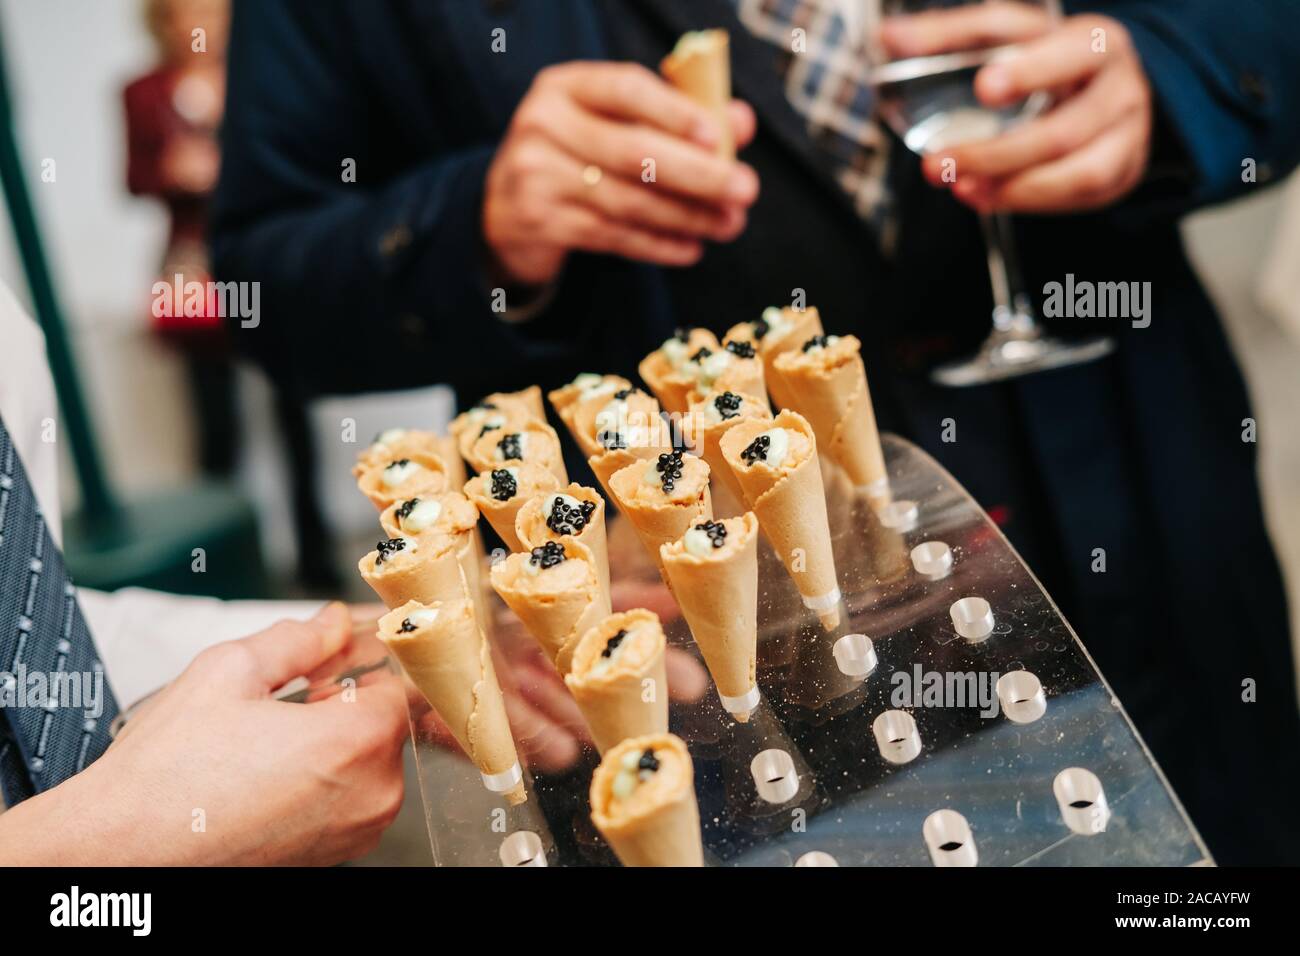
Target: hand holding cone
{"x":700,"y":66}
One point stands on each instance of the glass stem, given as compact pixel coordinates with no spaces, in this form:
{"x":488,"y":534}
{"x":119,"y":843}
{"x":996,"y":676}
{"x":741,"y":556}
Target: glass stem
{"x":1011,"y":312}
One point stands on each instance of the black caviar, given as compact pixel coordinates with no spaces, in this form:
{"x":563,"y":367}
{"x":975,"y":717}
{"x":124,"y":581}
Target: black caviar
{"x":612,"y":440}
{"x":701,"y":354}
{"x":817,"y":342}
{"x":489,"y":427}
{"x":648,"y":761}
{"x":716,"y":531}
{"x":405,"y":508}
{"x":388,"y":548}
{"x":760,"y":327}
{"x":511,"y":447}
{"x":612,"y":644}
{"x":566,"y":519}
{"x":757,"y":450}
{"x":548,"y":555}
{"x":728,"y":405}
{"x":740,"y":349}
{"x":504,"y":486}
{"x":669,"y":467}
{"x":407,"y":626}
{"x":623,"y":393}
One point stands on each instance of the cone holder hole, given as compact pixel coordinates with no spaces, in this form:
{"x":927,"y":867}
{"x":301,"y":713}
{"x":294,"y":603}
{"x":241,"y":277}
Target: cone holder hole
{"x":855,"y":655}
{"x":522,"y":848}
{"x":948,"y":837}
{"x":932,"y":560}
{"x":774,"y":775}
{"x":1021,"y":695}
{"x":972,"y":618}
{"x":1082,"y":800}
{"x":897,"y":736}
{"x":817,"y":858}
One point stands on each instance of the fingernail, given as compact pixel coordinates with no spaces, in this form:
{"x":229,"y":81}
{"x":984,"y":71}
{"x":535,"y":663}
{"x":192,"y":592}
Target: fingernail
{"x":743,"y":186}
{"x":995,"y":82}
{"x":705,"y":132}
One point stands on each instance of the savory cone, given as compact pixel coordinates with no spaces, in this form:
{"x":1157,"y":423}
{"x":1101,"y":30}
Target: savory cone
{"x":700,"y":66}
{"x":396,"y":442}
{"x":783,"y":330}
{"x":500,"y":493}
{"x":667,"y":369}
{"x":450,"y":514}
{"x":776,"y":465}
{"x":452,"y":460}
{"x":424,"y":569}
{"x":643,"y":802}
{"x":662,"y":497}
{"x":531,"y":441}
{"x":468,"y":427}
{"x":442,"y":650}
{"x":555,"y":592}
{"x":396,"y":477}
{"x":587,"y":387}
{"x":578,"y":511}
{"x":628,"y":416}
{"x":708,"y":420}
{"x":828,"y":386}
{"x":736,"y":367}
{"x":527,"y":400}
{"x":714,"y":575}
{"x":618,"y":680}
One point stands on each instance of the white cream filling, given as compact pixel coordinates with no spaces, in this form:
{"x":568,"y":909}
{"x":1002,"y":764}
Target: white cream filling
{"x":674,"y":350}
{"x":387,"y":437}
{"x":775,"y":319}
{"x":548,"y":503}
{"x":423,"y":617}
{"x":698,"y":543}
{"x":422,"y":516}
{"x":628,"y":776}
{"x":395,"y":474}
{"x":778,"y":447}
{"x":711,"y":369}
{"x":612,"y":417}
{"x":586,"y":380}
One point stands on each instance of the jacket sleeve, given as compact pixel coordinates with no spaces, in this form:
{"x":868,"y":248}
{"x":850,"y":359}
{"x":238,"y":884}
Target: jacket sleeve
{"x":369,"y":263}
{"x":1226,"y":79}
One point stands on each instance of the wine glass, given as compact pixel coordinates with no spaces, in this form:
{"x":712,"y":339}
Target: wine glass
{"x":930,"y":102}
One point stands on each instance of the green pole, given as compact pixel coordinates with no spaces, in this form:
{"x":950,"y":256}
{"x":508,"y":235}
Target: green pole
{"x":97,"y":497}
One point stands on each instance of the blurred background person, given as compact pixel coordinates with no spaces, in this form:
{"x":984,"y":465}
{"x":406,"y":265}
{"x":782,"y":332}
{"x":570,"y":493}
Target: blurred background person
{"x":173,"y":114}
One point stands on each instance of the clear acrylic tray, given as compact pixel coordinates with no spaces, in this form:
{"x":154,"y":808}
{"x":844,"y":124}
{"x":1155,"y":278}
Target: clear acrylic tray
{"x":823,"y":792}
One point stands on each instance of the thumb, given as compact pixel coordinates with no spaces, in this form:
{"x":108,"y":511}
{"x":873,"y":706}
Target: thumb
{"x":289,"y":649}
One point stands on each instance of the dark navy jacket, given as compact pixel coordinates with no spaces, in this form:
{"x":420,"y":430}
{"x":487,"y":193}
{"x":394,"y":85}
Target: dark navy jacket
{"x":378,"y":283}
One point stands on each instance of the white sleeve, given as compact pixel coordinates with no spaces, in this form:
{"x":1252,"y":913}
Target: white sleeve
{"x":145,"y":638}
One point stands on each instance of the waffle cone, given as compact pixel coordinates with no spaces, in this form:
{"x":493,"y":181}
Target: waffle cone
{"x":556,"y":620}
{"x":719,"y":599}
{"x":705,"y":76}
{"x":431,"y":573}
{"x":614,"y":703}
{"x":657,"y":523}
{"x":450,"y":662}
{"x":791,"y":508}
{"x":833,"y":395}
{"x":804,"y":325}
{"x":532,"y":532}
{"x":666,"y":832}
